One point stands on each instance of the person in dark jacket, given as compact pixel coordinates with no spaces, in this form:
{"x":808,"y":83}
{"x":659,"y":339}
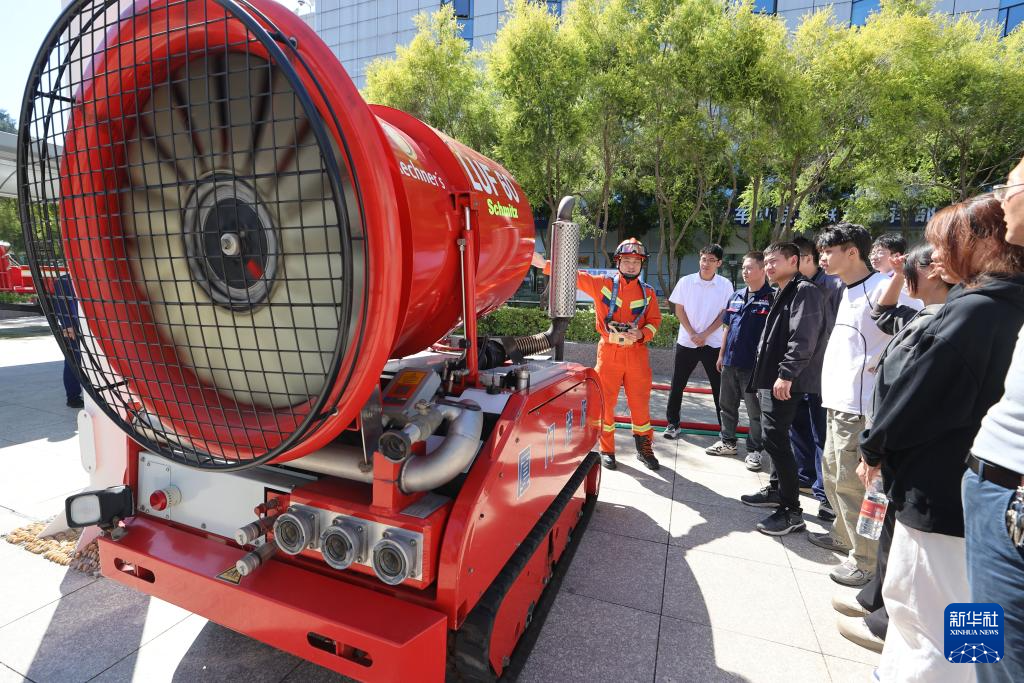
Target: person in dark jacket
{"x":924,"y":426}
{"x":863,"y":617}
{"x":807,"y":434}
{"x":991,"y":485}
{"x":788,"y":366}
{"x":65,"y":307}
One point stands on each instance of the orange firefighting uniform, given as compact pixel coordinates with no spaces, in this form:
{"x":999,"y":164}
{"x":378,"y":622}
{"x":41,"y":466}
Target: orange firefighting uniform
{"x":618,"y":366}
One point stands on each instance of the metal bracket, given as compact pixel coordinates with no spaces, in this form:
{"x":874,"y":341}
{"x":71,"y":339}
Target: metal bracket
{"x":370,"y":424}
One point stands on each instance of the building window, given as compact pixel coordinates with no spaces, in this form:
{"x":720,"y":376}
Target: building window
{"x":765,"y":6}
{"x":555,"y":7}
{"x":463,"y":8}
{"x":861,"y":10}
{"x":1011,"y":13}
{"x":466,"y":30}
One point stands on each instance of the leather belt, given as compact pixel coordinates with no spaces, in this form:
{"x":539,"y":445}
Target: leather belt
{"x":996,"y":474}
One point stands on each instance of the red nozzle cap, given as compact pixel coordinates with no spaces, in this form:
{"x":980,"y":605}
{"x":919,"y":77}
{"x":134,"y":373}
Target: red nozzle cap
{"x":158,"y":500}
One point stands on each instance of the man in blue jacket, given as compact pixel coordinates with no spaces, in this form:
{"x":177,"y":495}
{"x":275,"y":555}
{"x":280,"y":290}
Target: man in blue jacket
{"x":744,"y":320}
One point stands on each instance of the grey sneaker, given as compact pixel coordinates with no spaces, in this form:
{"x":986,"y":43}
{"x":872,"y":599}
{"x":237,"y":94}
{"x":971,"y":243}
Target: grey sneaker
{"x":721,"y":448}
{"x":847,"y":574}
{"x":828,"y":542}
{"x":754,"y":460}
{"x":671,"y":432}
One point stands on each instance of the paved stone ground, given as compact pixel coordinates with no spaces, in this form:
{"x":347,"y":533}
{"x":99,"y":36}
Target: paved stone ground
{"x":670,"y":583}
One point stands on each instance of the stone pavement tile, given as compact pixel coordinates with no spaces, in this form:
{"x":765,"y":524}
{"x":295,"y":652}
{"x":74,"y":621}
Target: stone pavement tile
{"x":625,"y":571}
{"x":725,"y":531}
{"x":10,"y":520}
{"x":32,"y":476}
{"x":694,"y":652}
{"x":632,"y":476}
{"x":10,"y":675}
{"x":84,"y":633}
{"x":698,"y":488}
{"x":845,"y":671}
{"x":593,"y":641}
{"x":755,"y":598}
{"x":638,"y":515}
{"x":806,"y":557}
{"x":817,"y":592}
{"x":196,"y":648}
{"x":692,"y":458}
{"x":24,"y":423}
{"x":30,"y":582}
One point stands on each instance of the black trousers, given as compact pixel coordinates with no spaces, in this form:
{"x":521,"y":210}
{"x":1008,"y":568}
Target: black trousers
{"x":870,"y":596}
{"x":686,"y":361}
{"x":776,"y":418}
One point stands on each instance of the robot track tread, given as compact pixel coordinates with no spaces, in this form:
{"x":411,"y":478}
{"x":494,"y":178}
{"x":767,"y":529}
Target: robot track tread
{"x":469,"y":647}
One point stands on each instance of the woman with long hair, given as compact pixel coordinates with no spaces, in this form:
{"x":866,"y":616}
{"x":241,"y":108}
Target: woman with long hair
{"x":924,"y":426}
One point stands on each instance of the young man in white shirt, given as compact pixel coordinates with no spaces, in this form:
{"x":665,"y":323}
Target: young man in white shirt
{"x":700,"y":300}
{"x":848,"y":381}
{"x":884,"y":248}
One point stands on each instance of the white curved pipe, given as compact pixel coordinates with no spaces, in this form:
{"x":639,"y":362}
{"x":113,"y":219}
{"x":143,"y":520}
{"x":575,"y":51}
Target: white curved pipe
{"x":444,"y":463}
{"x":419,"y":473}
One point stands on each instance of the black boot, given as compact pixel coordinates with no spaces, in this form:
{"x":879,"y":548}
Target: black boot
{"x":608,"y":461}
{"x":645,"y":451}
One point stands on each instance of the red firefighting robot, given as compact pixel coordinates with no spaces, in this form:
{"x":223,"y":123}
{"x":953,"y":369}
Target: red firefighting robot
{"x":627,"y":317}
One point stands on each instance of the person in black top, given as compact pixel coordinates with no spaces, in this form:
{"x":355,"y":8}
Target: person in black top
{"x":807,"y":435}
{"x":923,"y":429}
{"x":789,"y":360}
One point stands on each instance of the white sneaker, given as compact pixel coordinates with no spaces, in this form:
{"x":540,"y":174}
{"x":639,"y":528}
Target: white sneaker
{"x":754,"y":460}
{"x":721,"y":448}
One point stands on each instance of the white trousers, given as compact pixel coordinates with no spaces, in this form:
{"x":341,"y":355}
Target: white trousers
{"x":925,"y":573}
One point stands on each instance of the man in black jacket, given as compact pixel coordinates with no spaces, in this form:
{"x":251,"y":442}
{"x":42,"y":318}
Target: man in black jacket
{"x":789,"y":359}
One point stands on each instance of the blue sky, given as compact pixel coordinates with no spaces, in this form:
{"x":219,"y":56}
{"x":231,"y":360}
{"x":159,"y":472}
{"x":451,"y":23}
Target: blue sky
{"x":26,"y":25}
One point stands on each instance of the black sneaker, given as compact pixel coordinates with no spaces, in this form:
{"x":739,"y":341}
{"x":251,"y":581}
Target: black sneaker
{"x":76,"y":402}
{"x":645,"y":451}
{"x":826,"y":513}
{"x":671,"y":432}
{"x":608,"y":461}
{"x":782,"y":522}
{"x":765,"y":498}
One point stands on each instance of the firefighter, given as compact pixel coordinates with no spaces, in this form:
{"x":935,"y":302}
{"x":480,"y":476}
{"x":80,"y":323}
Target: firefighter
{"x":626,"y":315}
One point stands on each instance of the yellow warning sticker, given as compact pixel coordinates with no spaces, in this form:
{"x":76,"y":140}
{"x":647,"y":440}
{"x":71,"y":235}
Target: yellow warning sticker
{"x":411,"y":377}
{"x":230,"y":575}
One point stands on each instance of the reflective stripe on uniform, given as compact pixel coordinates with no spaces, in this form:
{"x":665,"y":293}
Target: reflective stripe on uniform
{"x":642,"y":428}
{"x":609,"y":428}
{"x":652,"y":328}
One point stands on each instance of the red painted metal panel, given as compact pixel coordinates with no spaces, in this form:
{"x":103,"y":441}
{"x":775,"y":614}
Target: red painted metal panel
{"x":282,"y":604}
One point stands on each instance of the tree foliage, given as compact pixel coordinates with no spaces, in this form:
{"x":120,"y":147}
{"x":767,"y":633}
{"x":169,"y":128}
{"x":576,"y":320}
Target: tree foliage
{"x":669,"y":115}
{"x":436,"y":78}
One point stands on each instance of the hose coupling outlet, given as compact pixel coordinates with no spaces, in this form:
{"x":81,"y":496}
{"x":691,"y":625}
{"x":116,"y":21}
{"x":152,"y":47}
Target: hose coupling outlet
{"x":296,"y":530}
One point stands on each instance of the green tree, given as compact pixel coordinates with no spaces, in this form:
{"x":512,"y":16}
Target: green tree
{"x":539,"y":76}
{"x":7,"y":122}
{"x":607,"y":32}
{"x":436,"y":78}
{"x":945,"y":121}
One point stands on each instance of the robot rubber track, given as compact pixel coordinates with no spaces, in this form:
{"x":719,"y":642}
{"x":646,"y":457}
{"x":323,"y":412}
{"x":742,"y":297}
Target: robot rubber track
{"x":469,"y":647}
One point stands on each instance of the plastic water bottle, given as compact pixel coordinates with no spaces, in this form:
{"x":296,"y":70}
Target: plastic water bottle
{"x":872,"y":510}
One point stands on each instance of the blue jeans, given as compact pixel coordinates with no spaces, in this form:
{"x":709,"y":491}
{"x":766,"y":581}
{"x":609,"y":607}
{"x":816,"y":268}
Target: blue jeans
{"x":995,"y":570}
{"x":808,"y":438}
{"x":72,"y":388}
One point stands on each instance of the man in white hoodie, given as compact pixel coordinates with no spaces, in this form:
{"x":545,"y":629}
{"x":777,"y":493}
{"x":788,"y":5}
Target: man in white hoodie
{"x":848,"y":381}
